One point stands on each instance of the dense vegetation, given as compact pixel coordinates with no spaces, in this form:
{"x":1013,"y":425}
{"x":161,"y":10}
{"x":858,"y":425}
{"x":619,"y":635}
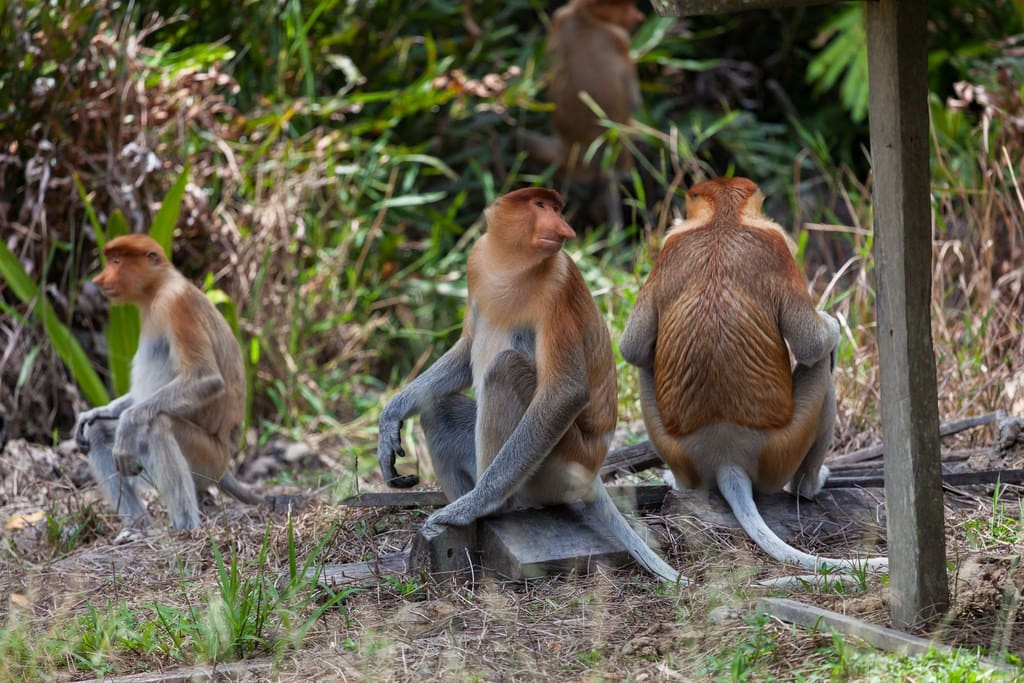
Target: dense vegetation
{"x":338,"y":154}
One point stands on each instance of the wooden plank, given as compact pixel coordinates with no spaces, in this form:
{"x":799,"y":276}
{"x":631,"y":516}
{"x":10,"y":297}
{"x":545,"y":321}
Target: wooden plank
{"x":642,"y":497}
{"x":452,"y":550}
{"x":557,"y":539}
{"x":642,"y":456}
{"x":846,"y":513}
{"x":363,"y":574}
{"x":951,"y":478}
{"x":682,"y":8}
{"x":628,"y":459}
{"x":897,"y":75}
{"x":890,"y":640}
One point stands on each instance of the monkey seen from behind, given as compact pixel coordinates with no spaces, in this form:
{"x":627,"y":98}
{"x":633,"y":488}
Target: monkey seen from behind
{"x":711,"y":334}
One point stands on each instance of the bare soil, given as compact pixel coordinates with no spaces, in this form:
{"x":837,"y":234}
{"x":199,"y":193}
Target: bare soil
{"x":59,"y":559}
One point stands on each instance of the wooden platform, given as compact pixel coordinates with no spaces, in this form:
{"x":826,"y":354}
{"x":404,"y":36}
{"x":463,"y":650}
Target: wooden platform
{"x":561,"y":539}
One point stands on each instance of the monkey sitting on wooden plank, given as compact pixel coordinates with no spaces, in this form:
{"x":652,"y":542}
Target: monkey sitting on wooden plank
{"x":182,"y":418}
{"x":712,"y":332}
{"x":538,"y":356}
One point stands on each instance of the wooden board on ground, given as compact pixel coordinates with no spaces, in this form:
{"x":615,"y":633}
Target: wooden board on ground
{"x":364,"y":573}
{"x":883,"y":638}
{"x":851,"y":513}
{"x":641,"y":497}
{"x":519,"y":545}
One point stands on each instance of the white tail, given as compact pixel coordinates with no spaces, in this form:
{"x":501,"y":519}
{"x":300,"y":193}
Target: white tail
{"x":735,"y":486}
{"x":619,"y":527}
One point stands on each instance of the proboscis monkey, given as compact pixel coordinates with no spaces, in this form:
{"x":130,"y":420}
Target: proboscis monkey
{"x":721,"y":400}
{"x":588,"y":46}
{"x":181,"y":419}
{"x":537,"y":353}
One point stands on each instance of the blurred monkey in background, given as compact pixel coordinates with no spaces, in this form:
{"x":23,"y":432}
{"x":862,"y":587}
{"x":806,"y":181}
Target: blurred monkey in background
{"x":588,"y":47}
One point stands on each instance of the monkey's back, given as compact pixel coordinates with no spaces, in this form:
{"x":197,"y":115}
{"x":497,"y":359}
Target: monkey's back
{"x":720,"y":354}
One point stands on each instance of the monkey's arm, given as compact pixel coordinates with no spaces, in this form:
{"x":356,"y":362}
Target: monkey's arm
{"x":811,"y":334}
{"x":637,"y":340}
{"x":450,"y":374}
{"x":111,"y":411}
{"x":549,"y":416}
{"x":182,"y":396}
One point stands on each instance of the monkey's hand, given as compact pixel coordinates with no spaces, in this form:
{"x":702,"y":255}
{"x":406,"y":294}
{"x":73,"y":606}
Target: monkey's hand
{"x":389,"y":447}
{"x":456,"y":513}
{"x":83,"y":422}
{"x":126,"y":445}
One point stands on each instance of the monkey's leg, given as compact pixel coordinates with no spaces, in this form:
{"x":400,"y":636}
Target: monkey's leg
{"x":450,"y":425}
{"x":509,"y":385}
{"x":814,"y":398}
{"x":171,"y":472}
{"x":612,"y":201}
{"x":118,"y":491}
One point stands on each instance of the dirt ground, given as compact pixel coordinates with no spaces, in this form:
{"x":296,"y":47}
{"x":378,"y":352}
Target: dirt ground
{"x":59,"y":558}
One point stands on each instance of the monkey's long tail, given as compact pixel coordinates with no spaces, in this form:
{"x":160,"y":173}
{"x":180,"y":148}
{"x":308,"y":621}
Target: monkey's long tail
{"x":619,"y":527}
{"x":735,"y":486}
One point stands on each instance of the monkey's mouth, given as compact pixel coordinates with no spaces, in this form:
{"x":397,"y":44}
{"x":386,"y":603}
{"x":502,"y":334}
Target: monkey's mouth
{"x":553,"y":243}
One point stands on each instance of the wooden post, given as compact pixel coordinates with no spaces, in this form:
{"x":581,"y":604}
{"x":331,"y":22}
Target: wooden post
{"x":898,"y":69}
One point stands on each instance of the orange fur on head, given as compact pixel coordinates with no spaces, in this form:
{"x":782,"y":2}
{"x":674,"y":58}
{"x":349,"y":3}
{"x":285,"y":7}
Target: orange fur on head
{"x":136,"y":267}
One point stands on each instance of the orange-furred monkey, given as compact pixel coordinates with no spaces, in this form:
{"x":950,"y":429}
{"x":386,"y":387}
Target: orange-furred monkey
{"x":182,"y":418}
{"x":588,"y":46}
{"x":722,"y":403}
{"x":537,"y":353}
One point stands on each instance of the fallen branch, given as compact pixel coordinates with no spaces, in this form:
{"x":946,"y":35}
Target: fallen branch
{"x":948,"y":429}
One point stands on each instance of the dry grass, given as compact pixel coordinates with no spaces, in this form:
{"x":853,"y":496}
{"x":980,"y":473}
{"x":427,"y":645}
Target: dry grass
{"x":610,"y":625}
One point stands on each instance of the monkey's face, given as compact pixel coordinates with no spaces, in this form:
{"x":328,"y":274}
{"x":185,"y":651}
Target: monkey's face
{"x":112,"y":281}
{"x":550,"y":231}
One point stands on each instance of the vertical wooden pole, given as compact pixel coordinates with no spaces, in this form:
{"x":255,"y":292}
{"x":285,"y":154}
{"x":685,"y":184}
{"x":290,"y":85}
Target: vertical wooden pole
{"x":898,"y":68}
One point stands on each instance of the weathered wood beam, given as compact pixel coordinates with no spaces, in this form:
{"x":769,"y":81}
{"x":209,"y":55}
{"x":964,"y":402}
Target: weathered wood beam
{"x":643,"y":497}
{"x":875,"y":480}
{"x":641,"y":456}
{"x":898,"y":105}
{"x":883,"y":638}
{"x":681,"y":8}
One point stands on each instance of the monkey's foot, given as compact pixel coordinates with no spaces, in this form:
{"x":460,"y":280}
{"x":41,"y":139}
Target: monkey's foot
{"x":127,"y":535}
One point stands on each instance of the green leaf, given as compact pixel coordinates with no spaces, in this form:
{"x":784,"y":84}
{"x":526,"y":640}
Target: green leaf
{"x":123,"y":328}
{"x":63,"y":342}
{"x":166,"y":218}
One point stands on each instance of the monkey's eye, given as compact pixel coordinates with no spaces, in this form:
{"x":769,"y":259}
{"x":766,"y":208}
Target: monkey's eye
{"x":116,"y":260}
